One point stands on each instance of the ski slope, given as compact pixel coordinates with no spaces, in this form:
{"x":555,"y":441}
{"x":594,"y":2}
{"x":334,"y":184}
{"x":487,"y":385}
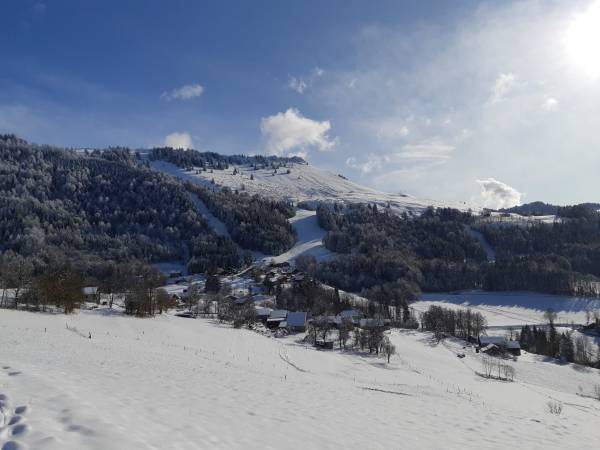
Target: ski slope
{"x":176,"y":383}
{"x":309,"y":241}
{"x":304,"y":183}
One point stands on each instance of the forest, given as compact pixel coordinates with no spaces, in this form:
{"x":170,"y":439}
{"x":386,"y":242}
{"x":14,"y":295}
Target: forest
{"x":210,"y":160}
{"x":254,"y":223}
{"x":96,"y":207}
{"x":434,"y":252}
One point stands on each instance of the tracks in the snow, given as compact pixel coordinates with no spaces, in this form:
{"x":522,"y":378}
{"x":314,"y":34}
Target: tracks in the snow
{"x":13,"y":421}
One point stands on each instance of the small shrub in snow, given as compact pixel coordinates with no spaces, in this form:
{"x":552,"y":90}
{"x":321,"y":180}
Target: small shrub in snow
{"x":554,"y":407}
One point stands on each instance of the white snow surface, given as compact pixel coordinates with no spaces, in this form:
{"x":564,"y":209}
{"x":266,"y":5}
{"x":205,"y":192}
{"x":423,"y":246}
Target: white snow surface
{"x":513,"y":309}
{"x":305,"y":182}
{"x":176,"y":383}
{"x":309,"y":241}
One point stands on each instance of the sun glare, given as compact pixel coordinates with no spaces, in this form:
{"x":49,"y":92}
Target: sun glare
{"x":582,"y":40}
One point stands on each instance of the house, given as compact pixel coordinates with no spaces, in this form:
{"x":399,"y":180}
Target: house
{"x":514,"y":348}
{"x":91,"y":294}
{"x":275,"y":318}
{"x":374,"y":323}
{"x":492,"y":350}
{"x":502,"y":345}
{"x":297,"y":321}
{"x":263,"y":314}
{"x":499,"y":341}
{"x":351,"y":314}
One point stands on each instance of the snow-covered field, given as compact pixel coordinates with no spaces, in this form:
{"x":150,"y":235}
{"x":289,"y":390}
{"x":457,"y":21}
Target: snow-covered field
{"x":514,"y":308}
{"x":175,"y":383}
{"x":304,"y":183}
{"x":310,"y":238}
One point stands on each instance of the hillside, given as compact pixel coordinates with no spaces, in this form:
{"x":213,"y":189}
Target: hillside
{"x":303,"y":183}
{"x":102,"y":204}
{"x":192,"y":384}
{"x":543,"y":209}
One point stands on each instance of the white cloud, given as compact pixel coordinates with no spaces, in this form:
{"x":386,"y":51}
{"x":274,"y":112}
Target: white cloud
{"x":496,"y":194}
{"x":391,"y":130}
{"x":290,"y":131}
{"x":504,"y":83}
{"x":297,"y":84}
{"x":301,"y":84}
{"x":373,"y":163}
{"x":550,"y":104}
{"x":179,"y":140}
{"x":186,"y":92}
{"x":429,"y":149}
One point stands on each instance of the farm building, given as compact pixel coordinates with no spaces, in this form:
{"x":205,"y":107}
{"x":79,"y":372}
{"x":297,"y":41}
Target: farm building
{"x":500,"y":342}
{"x":91,"y":294}
{"x":276,"y":317}
{"x":351,"y":314}
{"x":297,"y":321}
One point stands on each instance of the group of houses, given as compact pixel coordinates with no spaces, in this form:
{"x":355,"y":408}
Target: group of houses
{"x":298,"y":321}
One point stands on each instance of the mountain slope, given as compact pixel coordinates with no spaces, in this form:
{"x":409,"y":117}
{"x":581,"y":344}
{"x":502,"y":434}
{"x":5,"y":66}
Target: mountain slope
{"x":303,"y":183}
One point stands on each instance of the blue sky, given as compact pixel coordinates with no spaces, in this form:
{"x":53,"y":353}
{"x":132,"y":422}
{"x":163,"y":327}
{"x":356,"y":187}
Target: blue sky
{"x":493,"y":103}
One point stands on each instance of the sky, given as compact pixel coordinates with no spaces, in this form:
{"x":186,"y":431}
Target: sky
{"x":491,"y":103}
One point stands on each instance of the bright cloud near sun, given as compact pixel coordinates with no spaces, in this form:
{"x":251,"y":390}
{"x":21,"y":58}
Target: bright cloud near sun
{"x":582,"y":40}
{"x":496,"y":194}
{"x":550,"y":104}
{"x":289,"y":131}
{"x":179,"y":140}
{"x":502,"y":86}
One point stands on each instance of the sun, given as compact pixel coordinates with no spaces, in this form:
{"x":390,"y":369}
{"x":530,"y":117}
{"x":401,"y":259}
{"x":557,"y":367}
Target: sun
{"x":582,"y":40}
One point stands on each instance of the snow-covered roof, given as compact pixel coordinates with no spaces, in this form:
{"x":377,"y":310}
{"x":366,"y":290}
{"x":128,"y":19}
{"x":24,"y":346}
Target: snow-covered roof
{"x":260,"y":298}
{"x":351,"y":313}
{"x":297,"y":319}
{"x":497,"y":340}
{"x":263,"y":311}
{"x":278,"y":314}
{"x":90,"y":290}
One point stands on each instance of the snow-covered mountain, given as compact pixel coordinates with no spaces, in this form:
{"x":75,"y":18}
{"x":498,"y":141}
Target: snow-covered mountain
{"x":304,"y":182}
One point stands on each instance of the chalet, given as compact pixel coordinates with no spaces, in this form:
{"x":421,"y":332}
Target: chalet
{"x":514,"y":348}
{"x":502,"y":345}
{"x":261,"y":299}
{"x":353,"y":315}
{"x":276,"y":318}
{"x":263,"y":314}
{"x":297,"y":321}
{"x":499,"y":341}
{"x":492,"y":350}
{"x":91,"y":294}
{"x":298,"y":277}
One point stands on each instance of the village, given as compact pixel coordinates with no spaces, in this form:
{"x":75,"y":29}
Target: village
{"x":250,"y":299}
